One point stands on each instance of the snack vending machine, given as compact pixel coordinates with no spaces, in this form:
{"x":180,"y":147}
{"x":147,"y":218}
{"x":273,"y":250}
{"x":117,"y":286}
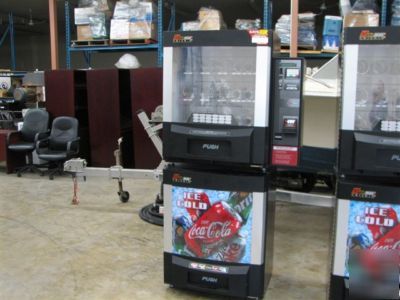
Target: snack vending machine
{"x":219,"y":208}
{"x":367,"y":242}
{"x":370,"y":128}
{"x":217,"y":96}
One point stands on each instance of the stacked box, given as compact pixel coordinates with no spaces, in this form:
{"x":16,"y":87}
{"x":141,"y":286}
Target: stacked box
{"x":90,"y":23}
{"x":134,"y":21}
{"x":119,"y":29}
{"x":210,"y":19}
{"x":143,"y":24}
{"x":332,"y":33}
{"x":361,"y":20}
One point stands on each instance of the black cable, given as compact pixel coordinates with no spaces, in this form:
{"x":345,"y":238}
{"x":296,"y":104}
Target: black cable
{"x":150,"y":214}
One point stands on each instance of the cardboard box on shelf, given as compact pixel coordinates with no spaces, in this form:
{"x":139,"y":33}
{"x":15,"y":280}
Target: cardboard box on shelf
{"x":82,"y":15}
{"x":142,"y":30}
{"x":119,"y":29}
{"x":84,"y":33}
{"x":361,"y":20}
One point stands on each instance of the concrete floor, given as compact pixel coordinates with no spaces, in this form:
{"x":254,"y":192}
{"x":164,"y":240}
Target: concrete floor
{"x":101,"y":249}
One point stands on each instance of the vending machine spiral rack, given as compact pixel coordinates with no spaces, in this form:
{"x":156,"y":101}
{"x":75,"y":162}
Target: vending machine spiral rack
{"x":367,"y":241}
{"x":218,"y":198}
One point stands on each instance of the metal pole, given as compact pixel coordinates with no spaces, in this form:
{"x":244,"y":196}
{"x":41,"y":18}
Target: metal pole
{"x":384,"y":13}
{"x":67,"y":36}
{"x":53,"y":34}
{"x":12,"y":41}
{"x":173,"y":15}
{"x":267,"y":14}
{"x":3,"y":37}
{"x":160,"y":33}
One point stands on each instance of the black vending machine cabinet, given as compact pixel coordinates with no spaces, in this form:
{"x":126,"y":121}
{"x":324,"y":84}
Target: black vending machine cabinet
{"x":216,"y":101}
{"x":218,"y":231}
{"x":367,"y":219}
{"x":370,"y":127}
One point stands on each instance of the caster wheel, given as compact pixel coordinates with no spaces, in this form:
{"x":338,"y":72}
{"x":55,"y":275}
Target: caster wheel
{"x":51,"y":177}
{"x":19,"y":175}
{"x":123,"y":196}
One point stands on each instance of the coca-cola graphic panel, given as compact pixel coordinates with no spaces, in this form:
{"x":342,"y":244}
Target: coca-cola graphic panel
{"x":212,"y":224}
{"x":372,"y":226}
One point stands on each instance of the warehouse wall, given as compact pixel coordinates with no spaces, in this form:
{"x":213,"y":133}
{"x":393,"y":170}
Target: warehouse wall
{"x":33,"y":52}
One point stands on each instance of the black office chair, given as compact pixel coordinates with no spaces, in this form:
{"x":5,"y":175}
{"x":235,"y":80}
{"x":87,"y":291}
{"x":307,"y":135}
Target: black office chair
{"x":34,"y":128}
{"x":61,"y":145}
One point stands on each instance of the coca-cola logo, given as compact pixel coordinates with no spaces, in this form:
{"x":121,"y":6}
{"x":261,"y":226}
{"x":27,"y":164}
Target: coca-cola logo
{"x":215,"y":230}
{"x":395,"y":245}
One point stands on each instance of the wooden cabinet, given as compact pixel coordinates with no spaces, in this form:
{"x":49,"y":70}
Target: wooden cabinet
{"x":110,"y":116}
{"x":66,"y":95}
{"x":146,"y":94}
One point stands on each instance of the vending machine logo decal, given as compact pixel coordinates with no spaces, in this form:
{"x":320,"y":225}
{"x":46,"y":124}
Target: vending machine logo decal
{"x":179,"y":38}
{"x":358,"y":192}
{"x":176,"y":177}
{"x":367,"y":35}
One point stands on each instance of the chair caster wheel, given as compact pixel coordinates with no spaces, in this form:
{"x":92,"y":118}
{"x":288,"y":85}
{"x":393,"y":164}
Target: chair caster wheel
{"x":123,"y":196}
{"x":18,"y":174}
{"x":51,"y":177}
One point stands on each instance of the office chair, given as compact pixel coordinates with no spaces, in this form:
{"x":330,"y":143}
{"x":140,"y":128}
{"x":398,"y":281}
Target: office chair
{"x":61,"y":145}
{"x":34,"y":128}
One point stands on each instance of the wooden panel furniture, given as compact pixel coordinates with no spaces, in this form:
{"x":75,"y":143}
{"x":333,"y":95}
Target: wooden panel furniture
{"x":146,"y":94}
{"x":110,"y":116}
{"x":66,"y":95}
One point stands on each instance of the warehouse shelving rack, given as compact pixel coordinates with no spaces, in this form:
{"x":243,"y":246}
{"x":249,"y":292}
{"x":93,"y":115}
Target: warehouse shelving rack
{"x":10,"y":31}
{"x":89,"y":50}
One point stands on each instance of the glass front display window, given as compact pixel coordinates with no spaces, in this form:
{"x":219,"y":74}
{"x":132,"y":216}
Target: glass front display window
{"x":214,"y":85}
{"x":378,"y":88}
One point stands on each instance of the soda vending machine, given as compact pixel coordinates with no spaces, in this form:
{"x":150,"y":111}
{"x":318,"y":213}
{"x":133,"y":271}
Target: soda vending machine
{"x":219,"y":208}
{"x":367,"y":215}
{"x":368,"y":221}
{"x":218,"y":231}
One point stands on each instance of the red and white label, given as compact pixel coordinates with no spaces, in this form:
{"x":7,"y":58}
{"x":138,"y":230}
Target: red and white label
{"x":285,"y":156}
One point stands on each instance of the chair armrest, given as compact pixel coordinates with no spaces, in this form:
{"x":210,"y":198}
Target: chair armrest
{"x":41,"y":136}
{"x":40,"y":142}
{"x":13,"y":137}
{"x":74,"y":145}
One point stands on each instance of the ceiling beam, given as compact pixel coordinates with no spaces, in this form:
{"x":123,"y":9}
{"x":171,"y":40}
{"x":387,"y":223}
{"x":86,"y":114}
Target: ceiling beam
{"x":53,"y":34}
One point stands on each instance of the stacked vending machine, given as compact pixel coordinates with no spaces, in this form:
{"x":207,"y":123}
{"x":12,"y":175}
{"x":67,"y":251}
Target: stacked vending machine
{"x":219,"y":208}
{"x":367,"y":242}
